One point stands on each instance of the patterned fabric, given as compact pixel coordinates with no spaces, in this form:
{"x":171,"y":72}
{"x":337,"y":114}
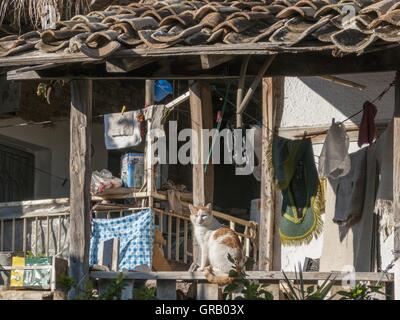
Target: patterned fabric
{"x":136,"y":235}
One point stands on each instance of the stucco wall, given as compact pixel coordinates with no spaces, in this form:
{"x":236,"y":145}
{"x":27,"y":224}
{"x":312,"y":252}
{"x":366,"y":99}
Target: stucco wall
{"x":311,"y":101}
{"x":55,"y":140}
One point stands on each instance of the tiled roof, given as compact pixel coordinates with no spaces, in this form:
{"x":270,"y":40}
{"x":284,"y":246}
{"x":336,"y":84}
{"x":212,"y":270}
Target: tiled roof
{"x":345,"y":26}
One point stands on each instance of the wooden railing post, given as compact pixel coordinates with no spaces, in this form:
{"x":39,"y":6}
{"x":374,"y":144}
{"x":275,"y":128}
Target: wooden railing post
{"x":80,"y":175}
{"x":270,"y":99}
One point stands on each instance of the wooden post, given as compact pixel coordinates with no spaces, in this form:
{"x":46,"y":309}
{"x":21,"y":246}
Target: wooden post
{"x":80,"y":175}
{"x":396,"y":187}
{"x":149,"y":100}
{"x":201,"y":112}
{"x":270,"y":99}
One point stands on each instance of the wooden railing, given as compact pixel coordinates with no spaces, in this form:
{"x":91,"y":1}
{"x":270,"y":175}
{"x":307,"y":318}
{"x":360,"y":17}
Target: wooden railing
{"x":166,"y":282}
{"x":39,"y":225}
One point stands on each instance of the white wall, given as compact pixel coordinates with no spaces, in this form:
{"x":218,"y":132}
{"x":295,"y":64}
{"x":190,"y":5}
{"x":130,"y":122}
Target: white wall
{"x":55,"y":140}
{"x":311,"y":101}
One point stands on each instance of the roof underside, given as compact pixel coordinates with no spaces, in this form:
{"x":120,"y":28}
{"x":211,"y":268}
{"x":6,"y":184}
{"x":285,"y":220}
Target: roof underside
{"x":161,"y":32}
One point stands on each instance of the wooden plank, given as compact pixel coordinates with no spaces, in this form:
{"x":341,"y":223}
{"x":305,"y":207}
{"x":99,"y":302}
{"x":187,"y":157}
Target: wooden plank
{"x":252,"y":275}
{"x":59,"y":235}
{"x":149,"y":100}
{"x":13,"y":236}
{"x":115,"y":254}
{"x":177,"y":238}
{"x":127,"y":291}
{"x":210,"y":61}
{"x":48,"y":236}
{"x":201,"y":113}
{"x":240,"y":90}
{"x":24,"y":230}
{"x":232,"y":225}
{"x":207,"y":291}
{"x":80,"y":176}
{"x":125,"y":65}
{"x":255,"y":83}
{"x":36,"y":236}
{"x":166,"y":289}
{"x":185,"y":241}
{"x":396,"y":186}
{"x":270,"y":86}
{"x":169,"y":238}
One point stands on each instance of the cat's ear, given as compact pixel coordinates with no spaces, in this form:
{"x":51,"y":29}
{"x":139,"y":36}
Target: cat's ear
{"x":208,"y":207}
{"x":192,"y":209}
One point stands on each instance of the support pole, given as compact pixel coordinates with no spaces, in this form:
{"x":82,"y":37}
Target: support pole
{"x":149,"y":100}
{"x":396,"y":187}
{"x":270,"y":88}
{"x":201,"y":112}
{"x":80,"y":175}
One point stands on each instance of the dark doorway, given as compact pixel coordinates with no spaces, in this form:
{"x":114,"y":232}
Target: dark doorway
{"x":17,"y":176}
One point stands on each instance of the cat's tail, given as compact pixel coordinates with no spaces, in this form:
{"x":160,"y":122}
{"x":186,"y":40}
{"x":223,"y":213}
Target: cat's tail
{"x":221,"y":280}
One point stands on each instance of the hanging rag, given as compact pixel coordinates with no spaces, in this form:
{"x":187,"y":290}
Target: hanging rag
{"x":297,"y":178}
{"x":350,"y":245}
{"x":350,"y":192}
{"x":334,"y":161}
{"x":121,"y":130}
{"x":155,"y":113}
{"x":367,"y":131}
{"x":136,"y":235}
{"x":384,"y":196}
{"x":258,"y":152}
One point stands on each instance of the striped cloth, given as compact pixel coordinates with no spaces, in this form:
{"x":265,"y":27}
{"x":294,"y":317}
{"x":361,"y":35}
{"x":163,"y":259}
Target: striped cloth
{"x":136,"y":235}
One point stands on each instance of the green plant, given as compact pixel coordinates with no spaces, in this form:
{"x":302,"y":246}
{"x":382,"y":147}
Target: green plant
{"x":248,"y":290}
{"x":296,"y":290}
{"x":361,"y":291}
{"x":112,"y":292}
{"x":144,"y":293}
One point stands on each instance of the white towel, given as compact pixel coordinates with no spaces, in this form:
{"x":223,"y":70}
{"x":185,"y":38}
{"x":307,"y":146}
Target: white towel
{"x":121,"y":130}
{"x":334,"y":161}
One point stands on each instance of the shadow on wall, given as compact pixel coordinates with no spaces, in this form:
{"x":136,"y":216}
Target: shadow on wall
{"x":323,"y":99}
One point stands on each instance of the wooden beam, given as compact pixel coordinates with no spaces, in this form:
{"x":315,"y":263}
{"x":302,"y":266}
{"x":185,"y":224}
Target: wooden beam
{"x":149,"y":100}
{"x":125,"y":65}
{"x":201,"y":117}
{"x":240,"y":90}
{"x":256,"y":81}
{"x":80,"y":176}
{"x":396,"y":187}
{"x":344,"y":82}
{"x":209,"y":61}
{"x":270,"y":97}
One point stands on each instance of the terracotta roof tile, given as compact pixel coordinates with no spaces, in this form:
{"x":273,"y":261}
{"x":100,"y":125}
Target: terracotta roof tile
{"x":347,"y":25}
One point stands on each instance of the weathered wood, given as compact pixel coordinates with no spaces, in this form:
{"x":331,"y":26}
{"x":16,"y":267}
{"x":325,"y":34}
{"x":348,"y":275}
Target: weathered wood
{"x":201,"y":113}
{"x":255,"y":83}
{"x":207,"y":291}
{"x":211,"y":61}
{"x":252,"y":275}
{"x":267,"y":205}
{"x":177,"y":237}
{"x":125,"y":65}
{"x":115,"y":254}
{"x":127,"y":291}
{"x":396,"y":186}
{"x":166,"y":289}
{"x":149,"y":100}
{"x":80,"y":176}
{"x":344,"y":82}
{"x":240,"y":90}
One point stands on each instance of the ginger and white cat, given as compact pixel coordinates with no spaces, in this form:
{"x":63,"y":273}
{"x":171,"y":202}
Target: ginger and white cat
{"x":215,"y":242}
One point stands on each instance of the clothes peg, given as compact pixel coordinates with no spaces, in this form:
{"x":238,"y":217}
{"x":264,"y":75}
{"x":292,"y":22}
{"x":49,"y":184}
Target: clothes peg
{"x":123,"y":109}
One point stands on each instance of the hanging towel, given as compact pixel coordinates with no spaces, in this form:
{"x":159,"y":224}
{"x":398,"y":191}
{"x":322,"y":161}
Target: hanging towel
{"x":350,"y":193}
{"x":294,"y":169}
{"x":367,"y":131}
{"x":384,"y":197}
{"x":155,"y":113}
{"x":121,"y":130}
{"x":334,"y":161}
{"x":136,"y":235}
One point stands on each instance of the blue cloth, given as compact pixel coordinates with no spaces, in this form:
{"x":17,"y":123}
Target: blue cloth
{"x":162,"y":88}
{"x":136,"y":234}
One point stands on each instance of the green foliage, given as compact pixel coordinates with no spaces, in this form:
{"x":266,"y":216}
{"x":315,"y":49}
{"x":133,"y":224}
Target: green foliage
{"x":144,"y":293}
{"x":249,"y":290}
{"x":361,"y":291}
{"x":113,"y":291}
{"x":296,"y":290}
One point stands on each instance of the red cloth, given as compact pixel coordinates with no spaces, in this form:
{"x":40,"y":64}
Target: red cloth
{"x":367,"y":132}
